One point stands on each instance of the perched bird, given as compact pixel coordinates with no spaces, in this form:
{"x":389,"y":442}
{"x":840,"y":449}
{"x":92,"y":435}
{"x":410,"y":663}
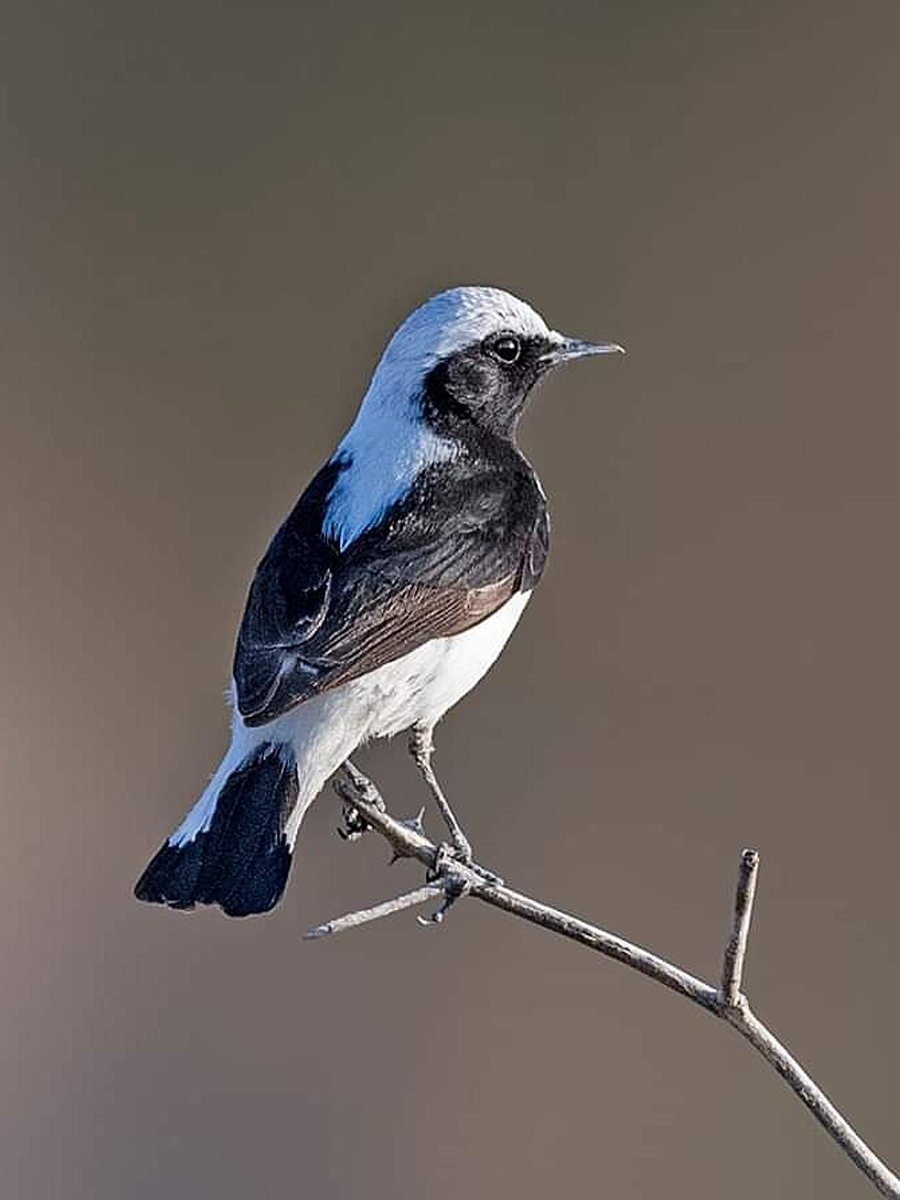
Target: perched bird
{"x":384,"y":597}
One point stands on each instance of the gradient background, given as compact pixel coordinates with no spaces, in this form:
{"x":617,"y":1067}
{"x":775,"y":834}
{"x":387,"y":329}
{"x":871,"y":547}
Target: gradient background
{"x":214,"y":215}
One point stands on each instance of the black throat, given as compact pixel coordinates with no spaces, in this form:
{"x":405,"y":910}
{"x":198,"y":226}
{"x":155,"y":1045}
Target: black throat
{"x":471,"y":394}
{"x":490,"y":486}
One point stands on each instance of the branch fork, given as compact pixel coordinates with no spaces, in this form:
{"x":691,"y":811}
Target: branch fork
{"x":448,"y":878}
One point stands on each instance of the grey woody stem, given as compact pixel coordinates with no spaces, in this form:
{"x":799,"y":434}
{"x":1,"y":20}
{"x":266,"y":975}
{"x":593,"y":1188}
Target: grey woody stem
{"x":735,"y":951}
{"x":452,"y":878}
{"x":408,"y":900}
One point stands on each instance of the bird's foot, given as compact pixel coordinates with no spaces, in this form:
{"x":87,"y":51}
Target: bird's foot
{"x":353,"y":824}
{"x":451,"y":873}
{"x":461,"y":847}
{"x":351,"y":785}
{"x":456,"y":872}
{"x":461,"y":852}
{"x":485,"y":874}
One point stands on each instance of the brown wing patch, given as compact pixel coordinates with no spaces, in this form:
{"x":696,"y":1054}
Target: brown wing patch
{"x":406,"y":620}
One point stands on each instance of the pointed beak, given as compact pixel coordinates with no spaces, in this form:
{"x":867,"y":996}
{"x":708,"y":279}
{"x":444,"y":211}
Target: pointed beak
{"x":565,"y":349}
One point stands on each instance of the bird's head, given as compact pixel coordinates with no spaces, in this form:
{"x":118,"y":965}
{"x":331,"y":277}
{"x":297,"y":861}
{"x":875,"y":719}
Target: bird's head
{"x":473,"y":354}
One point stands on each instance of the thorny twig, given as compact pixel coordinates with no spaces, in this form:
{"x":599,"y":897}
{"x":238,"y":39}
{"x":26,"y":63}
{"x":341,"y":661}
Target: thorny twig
{"x":447,"y":877}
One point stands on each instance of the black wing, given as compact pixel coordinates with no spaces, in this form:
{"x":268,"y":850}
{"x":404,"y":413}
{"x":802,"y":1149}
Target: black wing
{"x":447,"y":556}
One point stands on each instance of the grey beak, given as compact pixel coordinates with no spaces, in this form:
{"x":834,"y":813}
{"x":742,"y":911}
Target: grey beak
{"x":568,"y":348}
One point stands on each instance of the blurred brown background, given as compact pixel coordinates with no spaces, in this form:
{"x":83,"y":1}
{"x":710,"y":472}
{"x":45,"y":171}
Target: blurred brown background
{"x":214,"y":215}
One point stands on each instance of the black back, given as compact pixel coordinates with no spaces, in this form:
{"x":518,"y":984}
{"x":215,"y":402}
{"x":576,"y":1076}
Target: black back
{"x":467,"y":536}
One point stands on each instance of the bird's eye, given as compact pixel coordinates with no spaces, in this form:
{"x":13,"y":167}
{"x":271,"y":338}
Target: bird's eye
{"x":507,"y":349}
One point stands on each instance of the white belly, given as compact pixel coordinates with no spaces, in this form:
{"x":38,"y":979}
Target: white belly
{"x":414,"y":690}
{"x":420,"y":687}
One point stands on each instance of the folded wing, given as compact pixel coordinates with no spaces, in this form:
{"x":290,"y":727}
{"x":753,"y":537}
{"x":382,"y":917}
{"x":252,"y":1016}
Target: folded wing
{"x":452,"y":552}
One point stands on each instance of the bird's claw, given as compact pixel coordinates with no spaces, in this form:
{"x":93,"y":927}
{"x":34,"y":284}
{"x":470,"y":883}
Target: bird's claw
{"x":351,"y":785}
{"x":353,"y":824}
{"x":455,"y":875}
{"x":461,"y":854}
{"x":438,"y":915}
{"x":490,"y":877}
{"x":445,"y":871}
{"x":462,"y":849}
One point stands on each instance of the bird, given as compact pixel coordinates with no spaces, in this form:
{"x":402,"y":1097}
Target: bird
{"x":384,"y":597}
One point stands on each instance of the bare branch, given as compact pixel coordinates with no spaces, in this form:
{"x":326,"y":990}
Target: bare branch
{"x":733,"y":967}
{"x":449,"y":876}
{"x":420,"y":896}
{"x":750,"y":1026}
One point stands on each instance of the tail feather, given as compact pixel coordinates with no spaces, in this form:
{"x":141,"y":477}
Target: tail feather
{"x":239,"y":858}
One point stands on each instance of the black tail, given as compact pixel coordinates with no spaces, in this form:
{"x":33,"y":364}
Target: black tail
{"x":241,"y":862}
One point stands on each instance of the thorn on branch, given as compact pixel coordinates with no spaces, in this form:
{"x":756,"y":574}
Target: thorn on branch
{"x":417,"y":825}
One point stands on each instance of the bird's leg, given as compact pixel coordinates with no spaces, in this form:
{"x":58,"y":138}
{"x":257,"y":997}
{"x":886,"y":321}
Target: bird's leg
{"x":421,"y":747}
{"x":453,"y":868}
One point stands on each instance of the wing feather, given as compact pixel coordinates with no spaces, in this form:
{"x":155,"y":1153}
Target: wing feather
{"x":441,"y":561}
